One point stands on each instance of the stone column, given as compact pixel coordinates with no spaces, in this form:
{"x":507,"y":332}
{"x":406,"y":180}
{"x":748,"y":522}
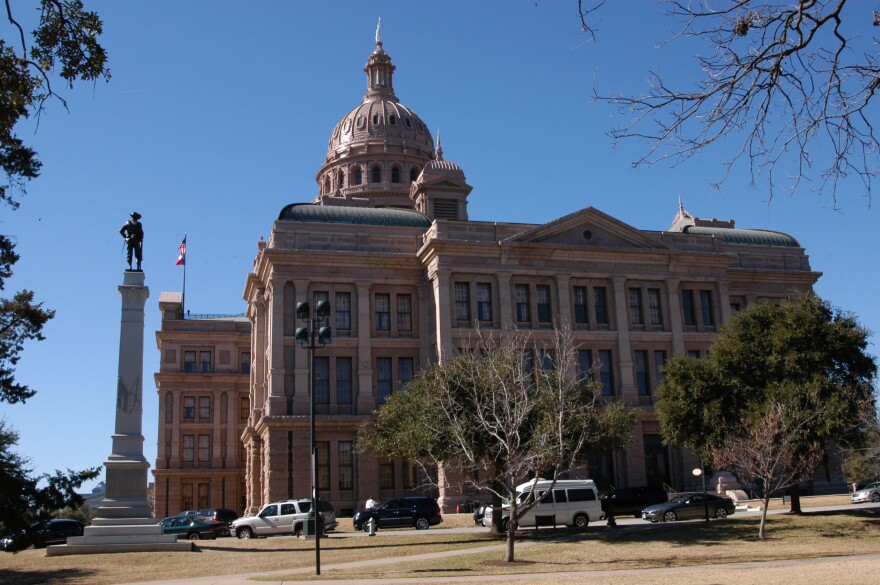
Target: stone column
{"x":124,"y":521}
{"x":126,"y":466}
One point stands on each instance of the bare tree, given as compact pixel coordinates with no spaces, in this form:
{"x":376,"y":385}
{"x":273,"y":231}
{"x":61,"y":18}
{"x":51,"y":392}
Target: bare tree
{"x":787,"y":79}
{"x":500,"y":413}
{"x":773,"y":451}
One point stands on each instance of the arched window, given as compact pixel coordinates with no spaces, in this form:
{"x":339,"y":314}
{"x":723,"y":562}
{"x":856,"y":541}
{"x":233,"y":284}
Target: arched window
{"x":395,"y":175}
{"x":376,"y":175}
{"x":413,"y":174}
{"x":326,"y":185}
{"x":392,"y":119}
{"x":358,"y":176}
{"x":340,"y":180}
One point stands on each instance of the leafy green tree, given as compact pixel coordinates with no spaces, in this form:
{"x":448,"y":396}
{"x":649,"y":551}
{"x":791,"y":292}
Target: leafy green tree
{"x":499,"y":414}
{"x":801,"y":354}
{"x":64,"y":45}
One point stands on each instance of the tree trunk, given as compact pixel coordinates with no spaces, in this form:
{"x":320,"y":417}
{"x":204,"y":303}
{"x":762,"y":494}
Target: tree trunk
{"x":795,"y":492}
{"x":764,"y":516}
{"x":508,"y":553}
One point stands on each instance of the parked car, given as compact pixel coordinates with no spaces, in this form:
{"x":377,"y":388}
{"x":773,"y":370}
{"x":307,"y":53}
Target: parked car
{"x":632,"y":500}
{"x":216,"y":514}
{"x":287,"y":517}
{"x":193,"y":527}
{"x":690,"y":506}
{"x":420,"y":512}
{"x":43,"y":534}
{"x":869,"y":493}
{"x":574,"y":502}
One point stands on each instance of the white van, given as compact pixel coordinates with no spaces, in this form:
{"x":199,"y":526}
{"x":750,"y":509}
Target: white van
{"x":574,"y":502}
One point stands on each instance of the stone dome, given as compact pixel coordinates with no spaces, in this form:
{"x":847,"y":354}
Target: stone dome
{"x":378,"y":149}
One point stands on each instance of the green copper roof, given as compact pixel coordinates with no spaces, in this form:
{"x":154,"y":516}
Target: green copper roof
{"x":354,"y":215}
{"x":749,"y":237}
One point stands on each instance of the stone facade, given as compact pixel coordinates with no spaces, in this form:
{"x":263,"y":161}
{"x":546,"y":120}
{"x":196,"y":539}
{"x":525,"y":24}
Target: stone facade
{"x":410,"y":277}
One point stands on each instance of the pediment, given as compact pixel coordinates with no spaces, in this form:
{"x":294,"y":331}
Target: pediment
{"x":590,"y":228}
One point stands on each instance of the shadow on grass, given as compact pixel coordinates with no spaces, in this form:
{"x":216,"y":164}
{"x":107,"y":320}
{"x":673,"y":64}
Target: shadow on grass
{"x":346,"y":544}
{"x":38,"y":577}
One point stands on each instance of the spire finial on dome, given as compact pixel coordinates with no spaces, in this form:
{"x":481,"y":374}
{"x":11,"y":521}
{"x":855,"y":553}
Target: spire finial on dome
{"x":379,"y":33}
{"x":438,"y":152}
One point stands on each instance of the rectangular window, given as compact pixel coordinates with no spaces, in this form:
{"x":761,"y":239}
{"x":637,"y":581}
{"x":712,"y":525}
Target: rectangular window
{"x":203,"y":497}
{"x":321,"y":380}
{"x":244,"y":408}
{"x":383,"y":312}
{"x":318,"y":296}
{"x":600,"y":305}
{"x":204,"y":450}
{"x":404,"y":313}
{"x":523,"y":312}
{"x":542,"y":294}
{"x":659,"y":362}
{"x":205,"y":362}
{"x":484,"y":301}
{"x":687,"y":306}
{"x":189,"y":363}
{"x":383,"y":379}
{"x":346,"y":465}
{"x":706,"y":308}
{"x":643,"y":384}
{"x":189,"y":448}
{"x":410,"y":475}
{"x":343,"y":311}
{"x":606,"y":373}
{"x":204,"y":408}
{"x":405,"y":370}
{"x":189,"y":408}
{"x":245,"y":362}
{"x":462,"y":301}
{"x":585,"y":364}
{"x":548,"y":360}
{"x":186,"y":496}
{"x":386,"y":474}
{"x":635,"y":306}
{"x":343,"y":380}
{"x":694,"y":354}
{"x":580,"y":305}
{"x":322,"y":455}
{"x":655,"y":314}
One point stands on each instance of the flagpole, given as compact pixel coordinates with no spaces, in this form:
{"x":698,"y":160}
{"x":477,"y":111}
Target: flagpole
{"x":183,"y":296}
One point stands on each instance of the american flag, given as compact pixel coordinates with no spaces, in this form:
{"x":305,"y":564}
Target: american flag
{"x":181,"y":260}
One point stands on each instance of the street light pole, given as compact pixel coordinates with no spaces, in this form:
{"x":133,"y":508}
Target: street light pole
{"x":698,"y":471}
{"x":316,"y":334}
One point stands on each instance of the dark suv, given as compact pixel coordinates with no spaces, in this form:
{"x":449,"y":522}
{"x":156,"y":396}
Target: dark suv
{"x":215,"y":514}
{"x":631,"y":500}
{"x":43,"y":534}
{"x":416,"y":511}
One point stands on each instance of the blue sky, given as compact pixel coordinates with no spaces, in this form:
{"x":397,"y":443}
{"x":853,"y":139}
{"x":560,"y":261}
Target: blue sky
{"x":218,"y":115}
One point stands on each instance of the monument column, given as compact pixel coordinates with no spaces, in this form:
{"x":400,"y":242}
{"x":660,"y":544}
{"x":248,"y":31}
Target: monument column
{"x":126,"y":466}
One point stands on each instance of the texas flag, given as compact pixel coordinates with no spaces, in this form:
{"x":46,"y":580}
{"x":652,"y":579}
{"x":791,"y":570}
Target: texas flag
{"x":181,"y":260}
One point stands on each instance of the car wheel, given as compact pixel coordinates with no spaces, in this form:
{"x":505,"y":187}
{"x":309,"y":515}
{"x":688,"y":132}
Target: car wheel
{"x":193,"y":536}
{"x":580,"y":521}
{"x":721,"y":513}
{"x":422,"y":524}
{"x":505,"y":525}
{"x":245,"y":533}
{"x":875,"y":497}
{"x":670,"y":516}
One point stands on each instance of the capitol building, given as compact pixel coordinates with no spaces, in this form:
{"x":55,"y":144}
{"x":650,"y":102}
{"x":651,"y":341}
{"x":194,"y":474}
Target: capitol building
{"x":410,"y":277}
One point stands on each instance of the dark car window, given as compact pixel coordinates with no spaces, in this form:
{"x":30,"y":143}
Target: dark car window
{"x":391,"y":505}
{"x":305,"y":507}
{"x":270,"y":511}
{"x":288,"y":509}
{"x":581,"y":495}
{"x":559,"y":496}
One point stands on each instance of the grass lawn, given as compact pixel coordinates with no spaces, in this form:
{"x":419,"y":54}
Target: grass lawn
{"x":598,"y":548}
